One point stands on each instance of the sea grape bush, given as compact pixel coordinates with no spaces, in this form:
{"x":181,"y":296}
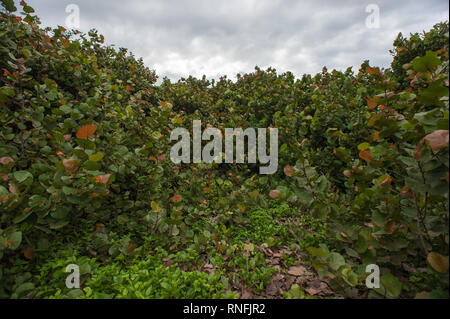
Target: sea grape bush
{"x":85,"y":165}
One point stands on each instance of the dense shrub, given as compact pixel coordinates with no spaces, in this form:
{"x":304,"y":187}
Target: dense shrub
{"x":84,"y":165}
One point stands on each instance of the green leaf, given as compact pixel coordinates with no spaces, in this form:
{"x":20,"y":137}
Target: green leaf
{"x":392,"y":285}
{"x":28,"y":9}
{"x":14,"y":240}
{"x":361,"y":244}
{"x":304,"y":196}
{"x":22,"y":176}
{"x":363,"y":146}
{"x":22,"y":216}
{"x":24,"y":288}
{"x":335,"y":261}
{"x":97,"y":157}
{"x":155,"y":207}
{"x":427,"y":62}
{"x":296,"y":292}
{"x":378,"y":218}
{"x":316,"y":252}
{"x":9,"y":5}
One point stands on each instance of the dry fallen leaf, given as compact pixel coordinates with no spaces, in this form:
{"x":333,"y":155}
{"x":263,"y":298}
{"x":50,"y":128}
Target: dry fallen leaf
{"x":296,"y":271}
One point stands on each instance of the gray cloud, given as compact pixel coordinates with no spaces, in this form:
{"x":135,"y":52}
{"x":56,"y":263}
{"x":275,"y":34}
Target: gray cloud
{"x":213,"y":37}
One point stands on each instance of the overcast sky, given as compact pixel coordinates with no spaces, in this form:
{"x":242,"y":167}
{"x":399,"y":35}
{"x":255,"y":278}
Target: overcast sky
{"x":225,"y":37}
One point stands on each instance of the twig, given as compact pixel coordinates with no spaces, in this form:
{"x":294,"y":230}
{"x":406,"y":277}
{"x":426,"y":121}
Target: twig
{"x":419,"y":230}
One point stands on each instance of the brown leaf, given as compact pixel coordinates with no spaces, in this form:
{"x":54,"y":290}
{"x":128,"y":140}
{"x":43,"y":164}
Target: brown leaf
{"x":438,"y":262}
{"x":390,"y":227}
{"x":418,"y":150}
{"x":365,"y":155}
{"x":6,"y":160}
{"x":99,"y":228}
{"x":438,"y":139}
{"x":86,"y":132}
{"x":289,"y":170}
{"x":247,"y":295}
{"x":296,"y":271}
{"x":29,"y":253}
{"x":103,"y":178}
{"x":274,"y":193}
{"x":312,"y":291}
{"x":70,"y":165}
{"x":373,"y":71}
{"x":372,"y":102}
{"x":13,"y":189}
{"x":386,"y":181}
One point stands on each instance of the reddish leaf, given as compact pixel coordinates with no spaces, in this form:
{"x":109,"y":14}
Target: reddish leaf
{"x":103,"y":178}
{"x":438,"y":139}
{"x":274,"y":193}
{"x":86,"y":132}
{"x":418,"y":150}
{"x":176,"y":198}
{"x":70,"y":165}
{"x":365,"y":155}
{"x":289,"y":170}
{"x":303,"y":142}
{"x":372,"y":102}
{"x":6,"y":160}
{"x":376,"y":135}
{"x":29,"y":253}
{"x":373,"y":71}
{"x":386,"y":181}
{"x":13,"y":189}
